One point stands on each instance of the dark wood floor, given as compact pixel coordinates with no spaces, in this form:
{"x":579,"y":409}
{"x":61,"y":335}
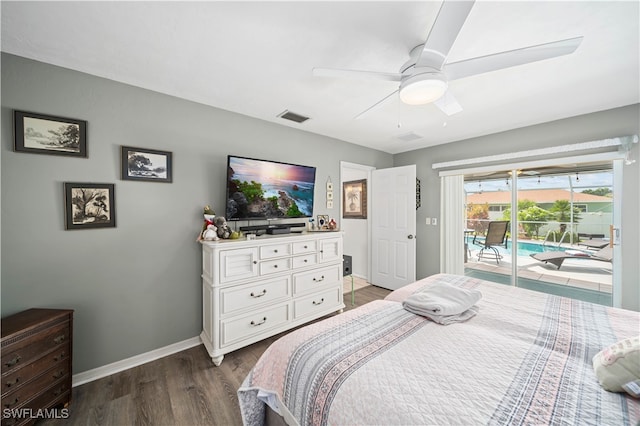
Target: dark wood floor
{"x":181,"y":389}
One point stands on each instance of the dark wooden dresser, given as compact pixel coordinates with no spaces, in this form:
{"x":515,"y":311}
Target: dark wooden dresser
{"x":36,"y":363}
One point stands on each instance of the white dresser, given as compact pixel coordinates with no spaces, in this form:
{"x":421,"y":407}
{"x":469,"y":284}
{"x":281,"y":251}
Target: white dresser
{"x":253,"y":289}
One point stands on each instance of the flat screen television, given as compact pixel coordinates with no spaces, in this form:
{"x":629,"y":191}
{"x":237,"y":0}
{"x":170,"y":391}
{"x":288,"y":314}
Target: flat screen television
{"x":263,"y":189}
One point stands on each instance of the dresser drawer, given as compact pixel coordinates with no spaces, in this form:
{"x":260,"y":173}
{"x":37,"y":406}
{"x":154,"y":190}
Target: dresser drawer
{"x":314,"y":280}
{"x":49,"y":398}
{"x":307,"y":260}
{"x":275,"y":266}
{"x":237,"y":329}
{"x":301,"y":247}
{"x":29,"y":348}
{"x":256,"y":294}
{"x":238,"y":264}
{"x":24,"y":393}
{"x":275,"y":250}
{"x":317,"y":302}
{"x":19,"y":376}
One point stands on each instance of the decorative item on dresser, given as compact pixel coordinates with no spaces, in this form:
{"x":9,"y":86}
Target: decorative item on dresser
{"x":36,"y":363}
{"x":254,"y":289}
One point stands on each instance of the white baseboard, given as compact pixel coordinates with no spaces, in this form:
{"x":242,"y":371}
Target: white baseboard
{"x":134,"y":361}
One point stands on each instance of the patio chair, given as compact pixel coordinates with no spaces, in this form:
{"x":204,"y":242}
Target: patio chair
{"x":557,"y":257}
{"x":595,"y":243}
{"x":496,"y":236}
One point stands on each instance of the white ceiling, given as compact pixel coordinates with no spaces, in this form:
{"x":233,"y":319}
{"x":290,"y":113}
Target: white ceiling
{"x":256,"y":58}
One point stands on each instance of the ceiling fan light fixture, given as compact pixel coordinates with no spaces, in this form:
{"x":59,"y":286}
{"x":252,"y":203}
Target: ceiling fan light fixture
{"x":424,"y":88}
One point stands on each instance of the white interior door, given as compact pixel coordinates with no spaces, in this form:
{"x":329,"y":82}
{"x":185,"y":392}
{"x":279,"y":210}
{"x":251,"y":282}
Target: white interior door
{"x":393,"y":227}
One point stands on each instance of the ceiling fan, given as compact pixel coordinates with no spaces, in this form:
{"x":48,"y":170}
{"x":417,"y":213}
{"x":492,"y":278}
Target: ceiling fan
{"x":425,"y":77}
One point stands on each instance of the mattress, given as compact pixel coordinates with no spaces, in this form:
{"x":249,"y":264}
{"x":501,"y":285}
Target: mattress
{"x":525,"y":358}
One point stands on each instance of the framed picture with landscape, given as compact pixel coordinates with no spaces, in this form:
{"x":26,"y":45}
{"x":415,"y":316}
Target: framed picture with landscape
{"x":47,"y":134}
{"x":146,"y":164}
{"x":354,"y":199}
{"x":89,"y":205}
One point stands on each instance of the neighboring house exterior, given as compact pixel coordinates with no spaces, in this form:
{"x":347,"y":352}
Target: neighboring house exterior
{"x":595,"y":210}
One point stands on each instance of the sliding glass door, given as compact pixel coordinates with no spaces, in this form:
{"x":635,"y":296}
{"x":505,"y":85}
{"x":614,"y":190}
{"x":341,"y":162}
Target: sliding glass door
{"x":558,"y":239}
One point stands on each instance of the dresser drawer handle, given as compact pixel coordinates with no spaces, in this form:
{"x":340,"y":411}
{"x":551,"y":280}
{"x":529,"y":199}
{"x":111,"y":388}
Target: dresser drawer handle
{"x":275,"y":266}
{"x":306,"y":247}
{"x":58,"y":374}
{"x":15,"y":382}
{"x":318,"y":280}
{"x":59,"y":356}
{"x":264,"y":291}
{"x":60,"y":390}
{"x":255,"y":324}
{"x":255,"y":262}
{"x":59,"y":339}
{"x":320,"y":302}
{"x":11,"y":404}
{"x":275,"y":250}
{"x":14,"y":361}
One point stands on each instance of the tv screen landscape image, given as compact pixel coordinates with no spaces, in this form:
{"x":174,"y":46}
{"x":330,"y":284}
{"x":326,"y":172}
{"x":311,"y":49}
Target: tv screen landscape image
{"x":263,"y":189}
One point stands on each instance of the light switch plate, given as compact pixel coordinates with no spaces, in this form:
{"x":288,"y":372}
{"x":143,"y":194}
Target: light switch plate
{"x":428,"y":220}
{"x":434,"y":220}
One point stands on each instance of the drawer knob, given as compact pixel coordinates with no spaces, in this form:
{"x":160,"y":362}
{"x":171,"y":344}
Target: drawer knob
{"x":318,"y":279}
{"x":255,"y":262}
{"x":59,"y":356}
{"x":305,"y":261}
{"x":255,"y":324}
{"x":320,"y":302}
{"x":305,"y":247}
{"x":14,"y":361}
{"x":60,"y":390}
{"x":12,"y":403}
{"x":264,"y":291}
{"x":15,"y":382}
{"x":275,"y":250}
{"x":275,"y":266}
{"x":59,"y":339}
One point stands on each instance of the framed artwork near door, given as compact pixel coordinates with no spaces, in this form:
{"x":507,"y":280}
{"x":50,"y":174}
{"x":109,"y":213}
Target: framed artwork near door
{"x":354,"y":199}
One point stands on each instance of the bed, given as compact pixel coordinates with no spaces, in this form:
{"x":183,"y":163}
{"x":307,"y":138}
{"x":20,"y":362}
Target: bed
{"x":525,"y":358}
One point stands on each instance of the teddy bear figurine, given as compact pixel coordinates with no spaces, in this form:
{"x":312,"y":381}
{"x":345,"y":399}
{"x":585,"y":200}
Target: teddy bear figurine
{"x":210,"y":234}
{"x":224,"y":231}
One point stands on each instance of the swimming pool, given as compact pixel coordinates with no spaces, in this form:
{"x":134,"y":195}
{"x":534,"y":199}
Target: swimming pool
{"x":524,"y":248}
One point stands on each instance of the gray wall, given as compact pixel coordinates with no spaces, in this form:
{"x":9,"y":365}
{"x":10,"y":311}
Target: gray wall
{"x":137,"y":287}
{"x":596,"y":126}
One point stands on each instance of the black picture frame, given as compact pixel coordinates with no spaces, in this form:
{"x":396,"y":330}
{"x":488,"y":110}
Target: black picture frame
{"x":48,"y":134}
{"x":151,"y":165}
{"x":89,"y":205}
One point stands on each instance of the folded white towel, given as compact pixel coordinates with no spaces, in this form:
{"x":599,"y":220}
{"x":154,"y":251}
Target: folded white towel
{"x":448,"y":319}
{"x":442,"y":299}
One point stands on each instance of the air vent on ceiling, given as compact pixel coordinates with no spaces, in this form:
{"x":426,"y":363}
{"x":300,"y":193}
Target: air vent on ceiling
{"x":408,"y":137}
{"x":292,"y":116}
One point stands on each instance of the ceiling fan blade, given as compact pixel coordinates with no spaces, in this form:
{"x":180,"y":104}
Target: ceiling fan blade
{"x":511,"y":58}
{"x":448,"y":104}
{"x":372,"y":75}
{"x":443,"y":33}
{"x":375,"y":106}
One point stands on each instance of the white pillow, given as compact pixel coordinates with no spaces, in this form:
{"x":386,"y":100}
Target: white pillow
{"x":618,"y":366}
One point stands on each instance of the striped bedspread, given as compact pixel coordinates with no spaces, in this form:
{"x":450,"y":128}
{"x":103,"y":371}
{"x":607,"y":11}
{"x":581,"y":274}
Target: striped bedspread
{"x":525,"y":358}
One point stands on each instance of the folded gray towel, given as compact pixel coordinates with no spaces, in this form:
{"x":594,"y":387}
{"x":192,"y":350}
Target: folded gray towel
{"x":442,"y":299}
{"x":448,"y":319}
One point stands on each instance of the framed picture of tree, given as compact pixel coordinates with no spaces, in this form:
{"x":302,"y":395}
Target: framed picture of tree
{"x":354,"y":199}
{"x":46,"y":134}
{"x":89,"y":205}
{"x":145,"y":164}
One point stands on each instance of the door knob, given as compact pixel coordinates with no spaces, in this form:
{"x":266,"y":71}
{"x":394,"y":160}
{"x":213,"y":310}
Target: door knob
{"x":410,"y":237}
